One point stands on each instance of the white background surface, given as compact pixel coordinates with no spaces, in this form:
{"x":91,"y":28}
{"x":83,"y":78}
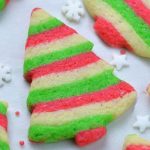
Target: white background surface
{"x":14,"y":23}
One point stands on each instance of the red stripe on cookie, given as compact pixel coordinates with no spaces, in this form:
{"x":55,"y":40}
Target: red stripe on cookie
{"x":107,"y":32}
{"x":3,"y":121}
{"x":7,"y":1}
{"x":140,"y":9}
{"x":106,"y":95}
{"x":89,"y":136}
{"x":48,"y":36}
{"x":138,"y":147}
{"x":63,"y":65}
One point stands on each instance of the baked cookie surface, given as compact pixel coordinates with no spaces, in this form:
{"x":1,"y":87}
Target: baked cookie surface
{"x":3,"y":3}
{"x":134,"y":142}
{"x":73,"y":93}
{"x":122,"y":23}
{"x":4,"y":144}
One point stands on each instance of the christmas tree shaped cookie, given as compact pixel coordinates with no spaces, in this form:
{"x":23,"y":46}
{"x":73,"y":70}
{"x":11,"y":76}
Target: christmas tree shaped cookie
{"x":123,"y":23}
{"x":3,"y":127}
{"x":73,"y":93}
{"x":134,"y":142}
{"x":3,"y":4}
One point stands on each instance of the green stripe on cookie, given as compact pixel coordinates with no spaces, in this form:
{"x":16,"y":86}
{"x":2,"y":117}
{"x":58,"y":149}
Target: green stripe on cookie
{"x":2,"y":4}
{"x":38,"y":61}
{"x":44,"y":26}
{"x":95,"y":83}
{"x":45,"y":133}
{"x":3,"y":109}
{"x":4,"y":146}
{"x":140,"y":27}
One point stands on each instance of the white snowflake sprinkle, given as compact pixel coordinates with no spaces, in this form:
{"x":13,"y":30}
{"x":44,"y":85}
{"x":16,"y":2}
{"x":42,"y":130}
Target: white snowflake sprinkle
{"x":5,"y":74}
{"x":73,"y":10}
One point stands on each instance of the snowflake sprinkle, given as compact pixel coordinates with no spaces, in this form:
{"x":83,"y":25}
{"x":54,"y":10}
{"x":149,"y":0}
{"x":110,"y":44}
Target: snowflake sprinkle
{"x":5,"y":74}
{"x":73,"y":10}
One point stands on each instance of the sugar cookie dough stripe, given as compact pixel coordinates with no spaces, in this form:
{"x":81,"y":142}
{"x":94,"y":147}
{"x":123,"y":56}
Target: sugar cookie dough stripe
{"x":102,"y":26}
{"x":48,"y":133}
{"x":4,"y":146}
{"x":2,"y":4}
{"x":48,"y":24}
{"x":77,"y":113}
{"x":56,"y":79}
{"x":57,"y":45}
{"x":48,"y":36}
{"x":137,"y":147}
{"x":146,"y":3}
{"x":124,"y":10}
{"x":124,"y":28}
{"x":104,"y":95}
{"x":140,"y":9}
{"x":3,"y":121}
{"x":3,"y":135}
{"x":133,"y":139}
{"x":77,"y":88}
{"x":71,"y":63}
{"x":7,"y":1}
{"x":38,"y":16}
{"x":3,"y":108}
{"x":38,"y":61}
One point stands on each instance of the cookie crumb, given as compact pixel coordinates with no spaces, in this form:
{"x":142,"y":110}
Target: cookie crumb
{"x":123,"y":52}
{"x":148,"y":90}
{"x":17,"y":113}
{"x":21,"y":143}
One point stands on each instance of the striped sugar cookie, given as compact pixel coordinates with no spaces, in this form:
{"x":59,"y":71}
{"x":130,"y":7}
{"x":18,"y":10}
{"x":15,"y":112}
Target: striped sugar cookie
{"x":4,"y":145}
{"x":134,"y":142}
{"x":73,"y":93}
{"x":3,"y":3}
{"x":123,"y":23}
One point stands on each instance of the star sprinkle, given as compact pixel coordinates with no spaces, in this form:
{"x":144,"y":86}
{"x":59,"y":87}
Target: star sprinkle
{"x":119,"y":61}
{"x":142,"y":123}
{"x":5,"y":74}
{"x":73,"y":10}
